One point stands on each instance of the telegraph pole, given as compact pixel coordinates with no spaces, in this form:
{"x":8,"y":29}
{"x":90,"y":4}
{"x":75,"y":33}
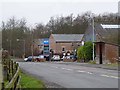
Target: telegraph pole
{"x":32,"y":46}
{"x":93,"y":37}
{"x":24,"y":48}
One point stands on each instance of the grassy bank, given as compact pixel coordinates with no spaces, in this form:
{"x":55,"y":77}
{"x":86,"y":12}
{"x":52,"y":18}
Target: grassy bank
{"x":30,"y":82}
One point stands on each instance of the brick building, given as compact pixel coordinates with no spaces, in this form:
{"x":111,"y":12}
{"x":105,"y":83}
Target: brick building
{"x":41,"y":46}
{"x":106,"y":42}
{"x":65,"y":42}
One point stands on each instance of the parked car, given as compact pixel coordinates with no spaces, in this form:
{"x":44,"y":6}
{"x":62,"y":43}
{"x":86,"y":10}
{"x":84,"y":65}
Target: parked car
{"x":25,"y":59}
{"x":28,"y":59}
{"x":40,"y":58}
{"x":55,"y":58}
{"x":72,"y":57}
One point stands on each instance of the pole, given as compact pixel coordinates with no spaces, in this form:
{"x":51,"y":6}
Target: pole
{"x":93,"y":37}
{"x":24,"y":48}
{"x":32,"y":45}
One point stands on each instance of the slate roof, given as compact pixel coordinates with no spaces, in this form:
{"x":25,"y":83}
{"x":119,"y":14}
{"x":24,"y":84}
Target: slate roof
{"x":107,"y":33}
{"x":68,"y":37}
{"x":103,"y":33}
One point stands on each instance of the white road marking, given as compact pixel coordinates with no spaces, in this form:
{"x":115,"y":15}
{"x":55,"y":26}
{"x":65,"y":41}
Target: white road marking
{"x":114,"y":77}
{"x":110,"y":70}
{"x":54,"y":67}
{"x":63,"y":68}
{"x":89,"y":73}
{"x":109,"y":76}
{"x":85,"y":72}
{"x":67,"y":69}
{"x":80,"y":71}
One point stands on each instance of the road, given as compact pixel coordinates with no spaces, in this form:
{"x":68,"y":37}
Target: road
{"x":72,"y":76}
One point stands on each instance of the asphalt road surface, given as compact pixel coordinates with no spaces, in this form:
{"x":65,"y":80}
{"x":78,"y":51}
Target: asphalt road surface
{"x":72,"y":76}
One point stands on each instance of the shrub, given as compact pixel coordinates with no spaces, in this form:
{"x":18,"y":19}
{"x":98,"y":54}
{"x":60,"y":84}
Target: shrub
{"x":85,"y":52}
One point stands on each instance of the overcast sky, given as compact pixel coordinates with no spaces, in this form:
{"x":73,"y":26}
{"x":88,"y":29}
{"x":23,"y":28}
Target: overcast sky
{"x":36,"y":11}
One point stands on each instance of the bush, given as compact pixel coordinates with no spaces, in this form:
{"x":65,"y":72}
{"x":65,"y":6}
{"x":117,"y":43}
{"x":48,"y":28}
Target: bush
{"x":85,"y":52}
{"x":81,"y":52}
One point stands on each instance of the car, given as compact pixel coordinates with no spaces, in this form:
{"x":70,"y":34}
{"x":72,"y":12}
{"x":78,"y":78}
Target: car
{"x":25,"y":59}
{"x":55,"y":58}
{"x":29,"y":59}
{"x":72,"y":57}
{"x":39,"y":58}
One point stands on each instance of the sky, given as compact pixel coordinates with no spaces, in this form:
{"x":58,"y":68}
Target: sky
{"x":40,"y":11}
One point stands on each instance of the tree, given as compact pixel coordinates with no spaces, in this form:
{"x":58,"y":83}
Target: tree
{"x":12,"y":30}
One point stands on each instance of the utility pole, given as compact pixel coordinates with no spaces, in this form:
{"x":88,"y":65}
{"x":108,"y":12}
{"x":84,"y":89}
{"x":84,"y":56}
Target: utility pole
{"x":32,"y":46}
{"x":24,"y":48}
{"x":93,"y":37}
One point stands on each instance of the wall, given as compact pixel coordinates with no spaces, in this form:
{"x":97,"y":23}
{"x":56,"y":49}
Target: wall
{"x":57,"y":47}
{"x":67,"y":46}
{"x":52,"y":43}
{"x":111,"y":52}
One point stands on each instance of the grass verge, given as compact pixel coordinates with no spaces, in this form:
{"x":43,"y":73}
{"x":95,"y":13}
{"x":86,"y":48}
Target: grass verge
{"x":112,"y":65}
{"x":92,"y":62}
{"x":30,"y":82}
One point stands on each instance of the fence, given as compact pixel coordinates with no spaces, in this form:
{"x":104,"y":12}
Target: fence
{"x":11,"y":75}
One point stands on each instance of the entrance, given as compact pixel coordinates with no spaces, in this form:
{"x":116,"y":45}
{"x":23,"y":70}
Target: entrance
{"x":100,"y":53}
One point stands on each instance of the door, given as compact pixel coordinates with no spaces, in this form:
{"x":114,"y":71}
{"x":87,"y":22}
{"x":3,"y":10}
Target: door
{"x":100,"y":53}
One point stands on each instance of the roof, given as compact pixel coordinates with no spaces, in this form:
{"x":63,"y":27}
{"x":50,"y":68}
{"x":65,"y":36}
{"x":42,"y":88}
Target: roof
{"x":107,"y":33}
{"x":68,"y":37}
{"x":103,"y":33}
{"x":110,"y":26}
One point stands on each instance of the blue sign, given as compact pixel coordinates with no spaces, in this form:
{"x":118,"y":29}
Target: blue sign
{"x":46,"y":41}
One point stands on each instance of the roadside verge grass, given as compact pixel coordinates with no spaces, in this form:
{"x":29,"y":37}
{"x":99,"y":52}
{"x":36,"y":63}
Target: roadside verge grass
{"x":112,"y":65}
{"x":30,"y":82}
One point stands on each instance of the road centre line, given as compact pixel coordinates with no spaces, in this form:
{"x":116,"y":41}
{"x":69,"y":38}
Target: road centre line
{"x":85,"y":72}
{"x":80,"y":71}
{"x":89,"y":73}
{"x":114,"y":77}
{"x":67,"y":69}
{"x":109,"y":76}
{"x":104,"y":75}
{"x":54,"y":67}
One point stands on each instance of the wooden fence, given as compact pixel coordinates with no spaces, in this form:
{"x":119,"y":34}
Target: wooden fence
{"x":11,"y":75}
